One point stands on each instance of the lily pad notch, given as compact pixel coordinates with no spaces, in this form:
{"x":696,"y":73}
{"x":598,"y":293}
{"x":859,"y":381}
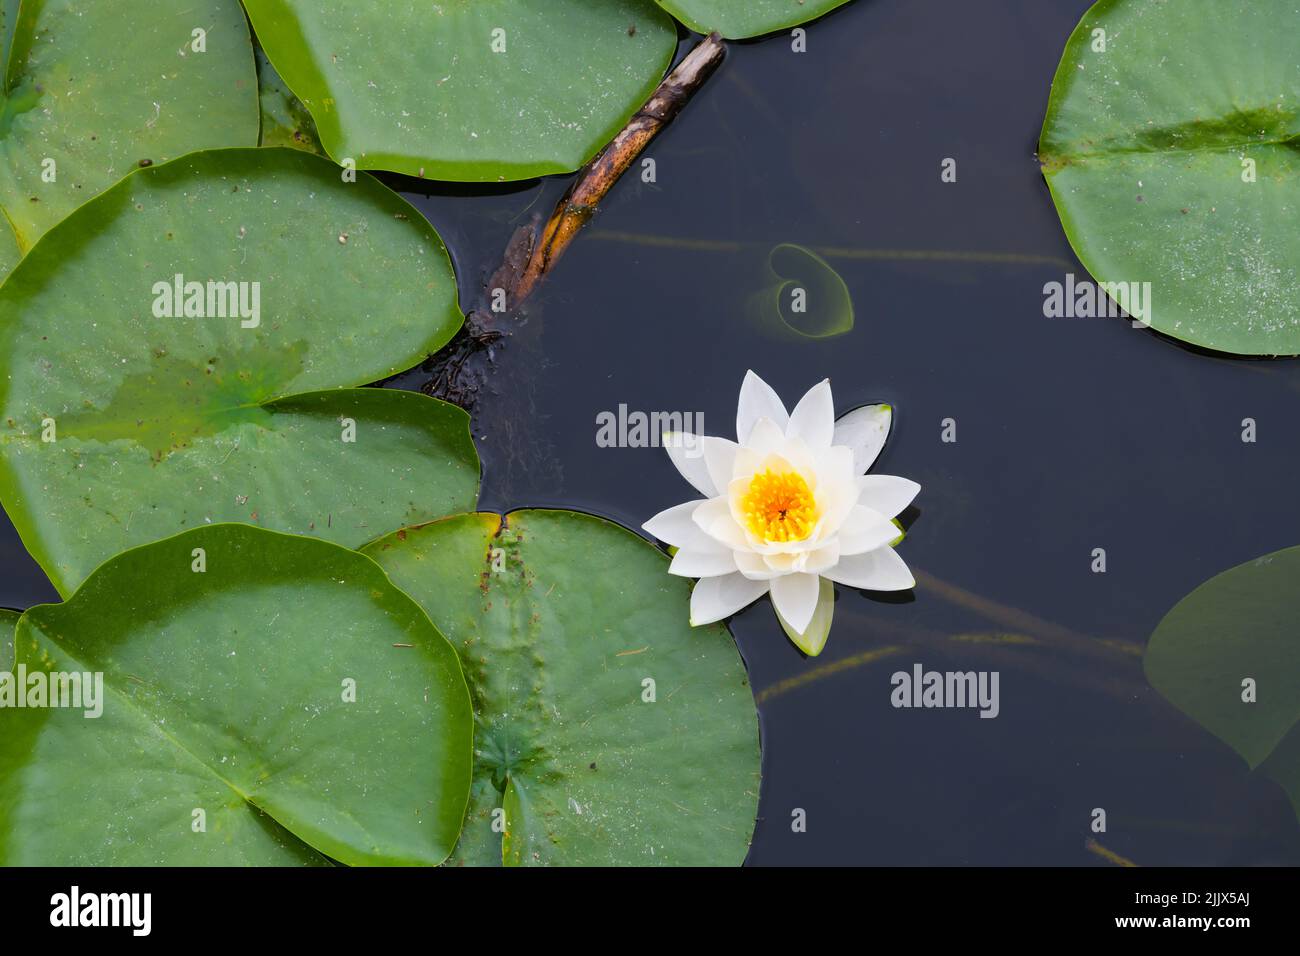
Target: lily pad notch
{"x":188,"y":347}
{"x":608,"y":731}
{"x":168,"y":79}
{"x":268,"y":699}
{"x":1175,"y":184}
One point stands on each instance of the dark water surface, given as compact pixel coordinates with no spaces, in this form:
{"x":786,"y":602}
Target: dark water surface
{"x":1072,"y":434}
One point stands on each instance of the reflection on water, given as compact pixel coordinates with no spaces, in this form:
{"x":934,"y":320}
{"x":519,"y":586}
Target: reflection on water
{"x":1071,"y":435}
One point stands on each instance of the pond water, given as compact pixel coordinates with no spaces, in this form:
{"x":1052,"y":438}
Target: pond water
{"x":1072,"y":434}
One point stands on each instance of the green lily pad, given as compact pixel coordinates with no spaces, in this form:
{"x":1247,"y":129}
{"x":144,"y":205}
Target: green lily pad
{"x":1168,"y":172}
{"x":8,"y":19}
{"x":91,"y":90}
{"x":8,"y":621}
{"x":285,"y":121}
{"x":1237,"y":627}
{"x":473,"y":92}
{"x":288,"y":692}
{"x":738,"y":19}
{"x":164,"y":423}
{"x":609,"y":731}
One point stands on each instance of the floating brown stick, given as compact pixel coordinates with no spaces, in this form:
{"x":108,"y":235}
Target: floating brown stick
{"x":531,"y":255}
{"x":457,"y":371}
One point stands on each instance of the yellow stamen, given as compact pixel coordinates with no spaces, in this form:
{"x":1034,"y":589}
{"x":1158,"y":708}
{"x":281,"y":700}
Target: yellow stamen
{"x":779,"y":507}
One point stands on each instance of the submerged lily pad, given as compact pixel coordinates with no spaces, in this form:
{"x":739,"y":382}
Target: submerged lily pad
{"x":124,"y":420}
{"x":609,"y":730}
{"x":286,"y":692}
{"x":1228,"y":657}
{"x":467,"y":91}
{"x":738,"y":19}
{"x":91,"y":90}
{"x":1172,"y":149}
{"x":801,"y":295}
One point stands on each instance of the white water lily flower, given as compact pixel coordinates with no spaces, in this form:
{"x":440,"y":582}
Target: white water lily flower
{"x":787,"y":510}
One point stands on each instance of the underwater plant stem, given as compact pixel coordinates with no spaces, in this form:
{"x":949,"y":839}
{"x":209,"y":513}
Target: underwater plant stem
{"x":596,"y":179}
{"x":1018,"y":620}
{"x":1092,"y":846}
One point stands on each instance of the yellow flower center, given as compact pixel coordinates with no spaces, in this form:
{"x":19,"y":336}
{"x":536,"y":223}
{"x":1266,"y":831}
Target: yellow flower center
{"x":779,"y":507}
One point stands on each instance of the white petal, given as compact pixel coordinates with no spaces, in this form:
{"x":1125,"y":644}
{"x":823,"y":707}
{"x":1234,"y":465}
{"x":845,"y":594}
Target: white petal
{"x":766,"y":436}
{"x":780,"y":563}
{"x":794,"y":454}
{"x":834,"y":464}
{"x":878,"y":570}
{"x":766,"y":449}
{"x":757,"y":400}
{"x":719,"y":459}
{"x":813,"y":638}
{"x":866,"y":530}
{"x":702,"y":564}
{"x":837,"y":491}
{"x":769,"y":565}
{"x":716,"y":598}
{"x":747,"y":461}
{"x":676,"y":527}
{"x":795,"y":599}
{"x":714,"y":519}
{"x":754,"y":567}
{"x":864,"y":430}
{"x":815,"y":562}
{"x":685,"y":451}
{"x":813,"y":419}
{"x":787,"y":549}
{"x":887,"y":494}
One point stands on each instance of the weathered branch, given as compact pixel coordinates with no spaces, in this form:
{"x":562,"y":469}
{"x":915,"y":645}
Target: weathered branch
{"x":535,"y":248}
{"x":531,"y":255}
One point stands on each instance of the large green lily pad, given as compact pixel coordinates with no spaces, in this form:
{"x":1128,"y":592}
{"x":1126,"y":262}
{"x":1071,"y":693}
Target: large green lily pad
{"x":566,"y":625}
{"x":484,"y":91}
{"x":1149,"y":145}
{"x":164,"y":423}
{"x":97,"y":88}
{"x":1239,"y":626}
{"x":738,"y":19}
{"x":227,"y":691}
